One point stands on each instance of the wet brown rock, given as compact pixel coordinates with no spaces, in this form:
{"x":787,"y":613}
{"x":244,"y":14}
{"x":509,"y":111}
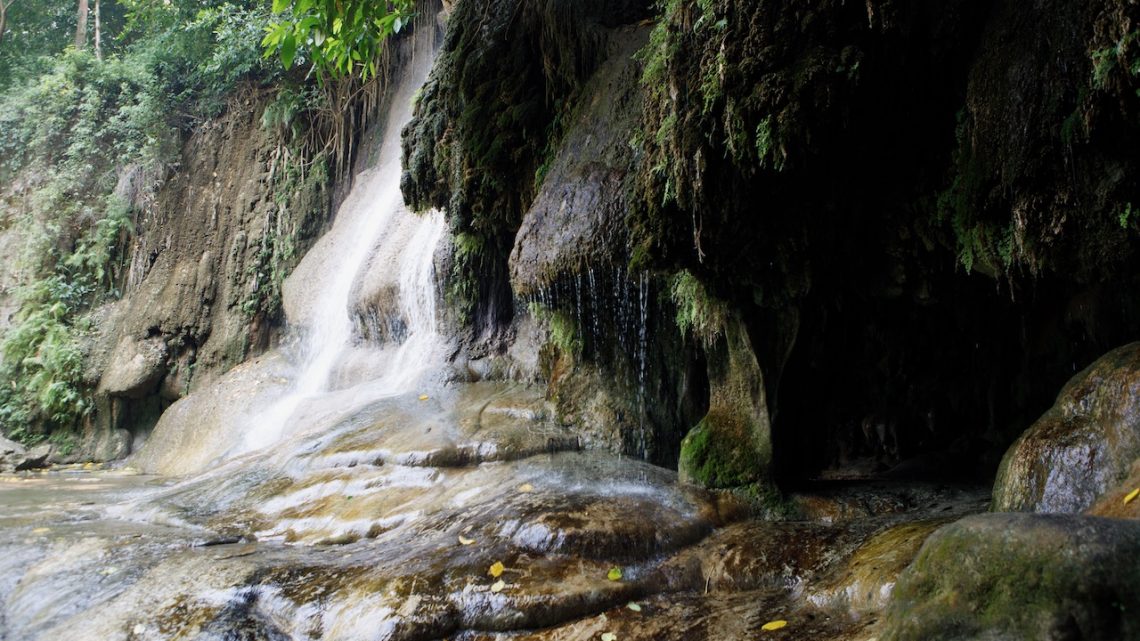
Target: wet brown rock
{"x":1120,"y":502}
{"x":1084,"y":445}
{"x":865,"y":583}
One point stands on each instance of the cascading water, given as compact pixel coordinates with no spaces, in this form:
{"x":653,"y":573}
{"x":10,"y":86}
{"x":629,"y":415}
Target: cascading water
{"x":373,"y":226}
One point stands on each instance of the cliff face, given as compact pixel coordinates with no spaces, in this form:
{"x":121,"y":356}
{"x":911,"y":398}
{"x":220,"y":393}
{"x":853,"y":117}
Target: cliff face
{"x":206,"y":264}
{"x":920,"y":215}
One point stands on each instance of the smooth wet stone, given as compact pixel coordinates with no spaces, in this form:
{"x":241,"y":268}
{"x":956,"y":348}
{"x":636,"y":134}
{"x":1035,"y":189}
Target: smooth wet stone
{"x":198,"y":429}
{"x":1084,"y":445}
{"x":755,"y":555}
{"x":864,"y":584}
{"x":1121,"y":501}
{"x":459,"y":426}
{"x":730,"y":616}
{"x":845,"y":501}
{"x":135,"y":369}
{"x":14,"y":457}
{"x":36,"y":458}
{"x":1021,"y":576}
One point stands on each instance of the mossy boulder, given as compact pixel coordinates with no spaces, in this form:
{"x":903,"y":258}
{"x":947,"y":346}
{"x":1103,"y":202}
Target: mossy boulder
{"x":1083,"y":446}
{"x":732,"y":445}
{"x":1021,"y":576}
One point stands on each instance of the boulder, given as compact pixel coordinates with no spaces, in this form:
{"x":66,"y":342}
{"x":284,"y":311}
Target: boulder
{"x":863,"y":586}
{"x":11,"y":454}
{"x":1083,"y":446}
{"x":136,"y":368}
{"x":14,"y":457}
{"x":1120,"y":502}
{"x":35,"y":458}
{"x":1021,"y":576}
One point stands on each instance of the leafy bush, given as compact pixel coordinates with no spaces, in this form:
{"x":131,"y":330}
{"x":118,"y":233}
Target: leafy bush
{"x":698,"y":311}
{"x":67,"y":134}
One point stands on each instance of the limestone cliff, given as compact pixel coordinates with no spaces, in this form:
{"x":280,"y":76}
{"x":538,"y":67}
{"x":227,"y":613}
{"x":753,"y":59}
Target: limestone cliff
{"x":921,"y":214}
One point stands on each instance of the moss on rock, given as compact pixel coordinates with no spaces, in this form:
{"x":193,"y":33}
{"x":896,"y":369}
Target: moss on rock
{"x":1020,"y":576}
{"x":732,"y":445}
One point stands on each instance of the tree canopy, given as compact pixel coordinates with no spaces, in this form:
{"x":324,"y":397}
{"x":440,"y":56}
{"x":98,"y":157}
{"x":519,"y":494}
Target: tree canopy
{"x":339,"y":38}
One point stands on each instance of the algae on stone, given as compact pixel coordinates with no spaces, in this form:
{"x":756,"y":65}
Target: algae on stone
{"x":732,"y":445}
{"x":1021,"y":576}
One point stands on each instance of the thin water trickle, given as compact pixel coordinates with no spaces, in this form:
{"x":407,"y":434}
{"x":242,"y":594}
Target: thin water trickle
{"x":643,"y":350}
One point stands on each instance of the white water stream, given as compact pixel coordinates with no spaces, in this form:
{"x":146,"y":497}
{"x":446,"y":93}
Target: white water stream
{"x":373,"y":235}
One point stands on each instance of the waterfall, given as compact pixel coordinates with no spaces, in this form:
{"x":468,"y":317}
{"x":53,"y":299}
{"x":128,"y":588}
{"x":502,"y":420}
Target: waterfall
{"x":373,"y":232}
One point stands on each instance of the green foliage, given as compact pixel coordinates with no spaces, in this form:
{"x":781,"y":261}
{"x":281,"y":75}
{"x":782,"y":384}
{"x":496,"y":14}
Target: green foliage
{"x":42,"y":367}
{"x":1125,"y":218}
{"x":768,"y":145}
{"x":564,"y":333}
{"x":71,"y":128}
{"x":698,"y":311}
{"x":340,"y":38}
{"x":38,"y":30}
{"x":1124,"y":55}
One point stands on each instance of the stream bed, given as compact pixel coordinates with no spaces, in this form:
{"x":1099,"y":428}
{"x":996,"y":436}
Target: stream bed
{"x":390,"y":525}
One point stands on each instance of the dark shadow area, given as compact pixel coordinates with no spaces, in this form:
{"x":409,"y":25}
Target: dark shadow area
{"x":934,"y":377}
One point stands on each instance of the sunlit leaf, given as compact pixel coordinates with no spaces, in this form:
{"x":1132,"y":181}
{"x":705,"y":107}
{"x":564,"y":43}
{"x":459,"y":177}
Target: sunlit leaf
{"x":774,"y":625}
{"x":288,"y":50}
{"x":1132,"y":496}
{"x":465,"y":541}
{"x":614,"y":574}
{"x":496,"y":569}
{"x":498,"y":586}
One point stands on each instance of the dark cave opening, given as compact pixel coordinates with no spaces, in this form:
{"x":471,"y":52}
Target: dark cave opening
{"x":933,"y":377}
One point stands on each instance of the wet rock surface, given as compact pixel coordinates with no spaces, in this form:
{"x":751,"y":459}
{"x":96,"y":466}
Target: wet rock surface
{"x":1084,"y":445}
{"x":1021,"y":576}
{"x":390,"y":524}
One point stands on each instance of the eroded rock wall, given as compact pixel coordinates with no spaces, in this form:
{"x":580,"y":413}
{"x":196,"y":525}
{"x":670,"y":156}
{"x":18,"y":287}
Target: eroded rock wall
{"x":919,"y":213}
{"x":203,"y":288}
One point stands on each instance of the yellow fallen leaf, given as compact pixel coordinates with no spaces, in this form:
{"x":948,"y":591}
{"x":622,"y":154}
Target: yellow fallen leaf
{"x":496,"y":569}
{"x":465,"y":541}
{"x":614,"y":574}
{"x":633,"y":606}
{"x":1132,"y":496}
{"x":609,"y":636}
{"x":41,"y":530}
{"x":423,"y":397}
{"x":526,"y":488}
{"x":498,"y":586}
{"x":774,"y":625}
